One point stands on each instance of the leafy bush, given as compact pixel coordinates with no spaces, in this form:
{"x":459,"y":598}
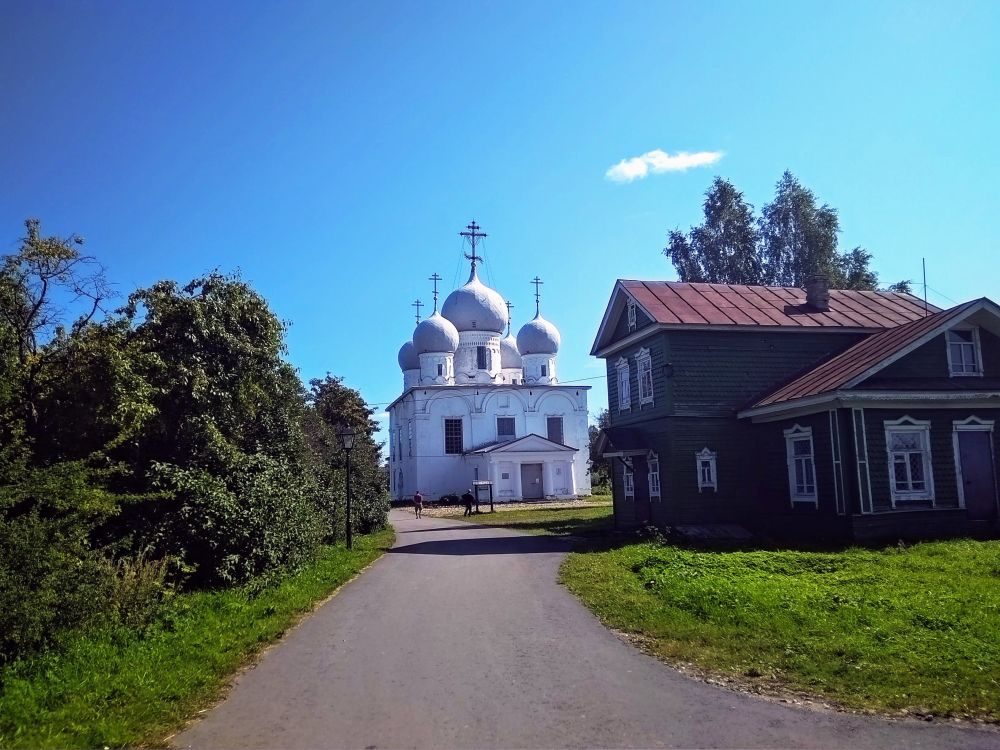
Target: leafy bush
{"x":225,"y":529}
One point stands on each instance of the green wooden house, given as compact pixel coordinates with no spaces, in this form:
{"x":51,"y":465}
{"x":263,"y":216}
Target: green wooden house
{"x":801,"y":413}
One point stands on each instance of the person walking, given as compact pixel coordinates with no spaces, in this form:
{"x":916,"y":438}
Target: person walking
{"x":418,"y":504}
{"x":467,"y":498}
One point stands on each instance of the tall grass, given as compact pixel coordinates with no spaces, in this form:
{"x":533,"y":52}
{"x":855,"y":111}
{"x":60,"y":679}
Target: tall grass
{"x":119,"y":687}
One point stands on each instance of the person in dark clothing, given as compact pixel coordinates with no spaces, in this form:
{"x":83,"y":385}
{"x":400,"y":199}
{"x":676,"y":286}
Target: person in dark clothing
{"x":418,"y":504}
{"x":468,"y":499}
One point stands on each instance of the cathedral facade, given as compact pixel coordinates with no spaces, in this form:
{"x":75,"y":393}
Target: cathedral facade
{"x":478,"y":406}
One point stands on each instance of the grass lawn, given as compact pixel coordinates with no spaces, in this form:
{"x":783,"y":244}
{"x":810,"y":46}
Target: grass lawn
{"x":586,"y":520}
{"x":916,"y":628}
{"x":122,"y":688}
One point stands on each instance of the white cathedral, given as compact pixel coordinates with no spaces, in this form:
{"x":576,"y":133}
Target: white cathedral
{"x":477,"y":406}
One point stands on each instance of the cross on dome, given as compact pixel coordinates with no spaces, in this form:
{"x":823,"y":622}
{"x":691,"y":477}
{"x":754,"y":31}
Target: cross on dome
{"x":418,"y":304}
{"x":510,"y":305}
{"x":435,"y":278}
{"x":472,"y":234}
{"x":537,"y":282}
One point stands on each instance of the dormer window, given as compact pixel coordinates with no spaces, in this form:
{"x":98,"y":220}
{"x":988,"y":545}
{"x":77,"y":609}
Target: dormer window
{"x":964,"y":356}
{"x":631,"y":315}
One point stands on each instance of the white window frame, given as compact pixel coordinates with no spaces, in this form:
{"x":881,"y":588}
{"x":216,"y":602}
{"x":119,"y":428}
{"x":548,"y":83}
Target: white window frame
{"x":909,"y":424}
{"x":628,"y":482}
{"x":630,"y":307}
{"x":712,"y":482}
{"x":643,"y":359}
{"x":793,"y":435}
{"x":976,"y":349}
{"x":653,"y":474}
{"x":624,"y":389}
{"x":969,"y":424}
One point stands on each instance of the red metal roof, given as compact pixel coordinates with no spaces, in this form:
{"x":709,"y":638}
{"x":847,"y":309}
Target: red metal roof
{"x":837,"y":372}
{"x":681,"y":303}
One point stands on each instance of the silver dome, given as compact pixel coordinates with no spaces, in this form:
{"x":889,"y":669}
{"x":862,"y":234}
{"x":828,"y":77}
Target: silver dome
{"x":538,"y":336}
{"x":475,"y":307}
{"x":407,"y":358}
{"x":510,"y":358}
{"x":435,"y":334}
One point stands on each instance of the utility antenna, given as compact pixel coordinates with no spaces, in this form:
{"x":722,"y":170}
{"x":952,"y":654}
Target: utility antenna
{"x":435,"y":278}
{"x":472,"y":234}
{"x":924,"y":262}
{"x":418,"y":304}
{"x":509,"y":307}
{"x":537,"y":282}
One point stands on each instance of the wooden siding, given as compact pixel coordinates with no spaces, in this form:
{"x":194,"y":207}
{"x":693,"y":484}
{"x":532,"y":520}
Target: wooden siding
{"x":621,"y":329}
{"x":720,"y":372}
{"x":927,"y":368}
{"x":657,"y":344}
{"x":942,"y":454}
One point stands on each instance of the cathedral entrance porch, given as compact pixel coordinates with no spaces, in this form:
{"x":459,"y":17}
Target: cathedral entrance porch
{"x":529,"y":468}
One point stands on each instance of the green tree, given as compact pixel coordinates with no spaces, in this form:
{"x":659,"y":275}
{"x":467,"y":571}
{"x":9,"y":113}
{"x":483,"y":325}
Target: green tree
{"x":600,"y":467}
{"x":334,"y":406}
{"x":793,"y":239}
{"x":724,"y":246}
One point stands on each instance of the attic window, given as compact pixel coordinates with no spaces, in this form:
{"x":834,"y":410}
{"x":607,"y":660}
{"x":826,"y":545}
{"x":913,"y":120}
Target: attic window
{"x":631,"y":315}
{"x":964,"y":355}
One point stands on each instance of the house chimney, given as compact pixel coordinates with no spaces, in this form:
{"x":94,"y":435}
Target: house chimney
{"x":818,"y":292}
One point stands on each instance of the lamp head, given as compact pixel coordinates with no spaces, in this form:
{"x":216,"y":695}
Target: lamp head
{"x":346,"y":436}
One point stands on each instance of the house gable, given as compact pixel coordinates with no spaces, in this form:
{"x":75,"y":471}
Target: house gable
{"x":862,"y":362}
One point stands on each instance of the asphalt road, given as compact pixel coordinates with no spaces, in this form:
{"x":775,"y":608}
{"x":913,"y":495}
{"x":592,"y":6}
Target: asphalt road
{"x":460,"y":637}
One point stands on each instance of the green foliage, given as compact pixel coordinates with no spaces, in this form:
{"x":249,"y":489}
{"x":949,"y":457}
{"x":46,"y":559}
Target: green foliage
{"x":724,"y":246}
{"x":256,"y":516}
{"x":122,"y":687}
{"x":901,"y":628}
{"x":600,"y":467}
{"x":792,"y":239}
{"x":166,"y":443}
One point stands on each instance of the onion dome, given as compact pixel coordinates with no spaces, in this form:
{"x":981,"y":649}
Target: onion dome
{"x":435,"y":334}
{"x":407,"y":357}
{"x":475,"y":307}
{"x":510,"y":358}
{"x":538,"y":336}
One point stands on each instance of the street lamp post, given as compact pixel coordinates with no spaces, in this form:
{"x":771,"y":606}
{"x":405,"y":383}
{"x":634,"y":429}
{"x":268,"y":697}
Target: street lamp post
{"x":346,"y":436}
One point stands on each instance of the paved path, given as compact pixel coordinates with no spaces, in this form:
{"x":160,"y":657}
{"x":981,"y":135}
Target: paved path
{"x":460,"y":637}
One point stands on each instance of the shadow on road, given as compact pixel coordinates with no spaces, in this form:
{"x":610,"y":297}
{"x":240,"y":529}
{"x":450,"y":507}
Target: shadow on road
{"x":443,"y":528}
{"x":508,"y":545}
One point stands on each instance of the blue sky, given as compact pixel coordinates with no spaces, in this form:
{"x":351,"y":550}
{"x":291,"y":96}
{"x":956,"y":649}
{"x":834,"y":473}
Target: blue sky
{"x":332,"y":151}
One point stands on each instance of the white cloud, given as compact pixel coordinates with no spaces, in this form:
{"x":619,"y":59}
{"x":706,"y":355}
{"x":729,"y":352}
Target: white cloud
{"x":656,"y":161}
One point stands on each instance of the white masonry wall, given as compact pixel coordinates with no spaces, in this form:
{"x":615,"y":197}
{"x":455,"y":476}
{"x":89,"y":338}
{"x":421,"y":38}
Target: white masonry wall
{"x":421,"y":463}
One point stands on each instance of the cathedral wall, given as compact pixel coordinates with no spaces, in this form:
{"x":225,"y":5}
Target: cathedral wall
{"x":424,"y":463}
